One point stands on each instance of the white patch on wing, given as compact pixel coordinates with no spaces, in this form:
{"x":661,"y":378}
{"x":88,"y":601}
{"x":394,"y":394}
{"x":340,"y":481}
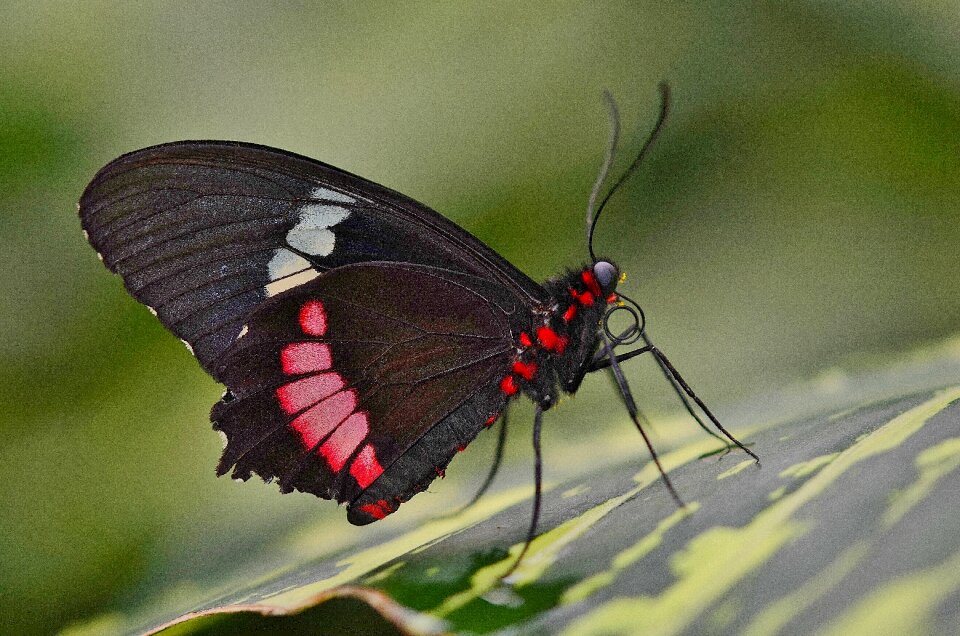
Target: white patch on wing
{"x":282,"y":285}
{"x":151,"y":310}
{"x":242,"y":333}
{"x":331,"y":195}
{"x":223,"y":438}
{"x":187,"y":345}
{"x":312,"y":234}
{"x":285,"y":263}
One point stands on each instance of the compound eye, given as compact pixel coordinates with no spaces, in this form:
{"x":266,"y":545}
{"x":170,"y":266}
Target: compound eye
{"x":607,"y":275}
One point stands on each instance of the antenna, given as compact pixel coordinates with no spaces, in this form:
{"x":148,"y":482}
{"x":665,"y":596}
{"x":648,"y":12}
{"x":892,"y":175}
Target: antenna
{"x":615,"y":124}
{"x":605,"y":168}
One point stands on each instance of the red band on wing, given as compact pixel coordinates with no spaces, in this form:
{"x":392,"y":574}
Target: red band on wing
{"x":378,"y":510}
{"x":365,"y":468}
{"x":305,"y":357}
{"x":313,"y":318}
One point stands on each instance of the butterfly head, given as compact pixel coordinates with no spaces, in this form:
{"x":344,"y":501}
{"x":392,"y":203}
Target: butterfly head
{"x":607,"y":276}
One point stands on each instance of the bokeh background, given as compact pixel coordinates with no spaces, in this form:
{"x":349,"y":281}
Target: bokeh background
{"x":800,"y":211}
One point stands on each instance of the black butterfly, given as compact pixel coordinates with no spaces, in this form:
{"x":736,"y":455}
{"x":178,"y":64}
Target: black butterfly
{"x":363,"y":338}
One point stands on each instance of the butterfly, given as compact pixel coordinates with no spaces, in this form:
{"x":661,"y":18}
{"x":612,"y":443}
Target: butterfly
{"x":363,"y":339}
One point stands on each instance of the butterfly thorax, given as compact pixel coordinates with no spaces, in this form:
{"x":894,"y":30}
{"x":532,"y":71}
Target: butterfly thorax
{"x":552,"y":349}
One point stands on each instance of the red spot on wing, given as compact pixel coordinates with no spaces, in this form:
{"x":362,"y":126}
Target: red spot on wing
{"x":313,"y":318}
{"x":299,"y":394}
{"x":345,"y":440}
{"x":525,"y":339}
{"x":570,"y":313}
{"x":305,"y":357}
{"x":508,"y":385}
{"x":525,"y":370}
{"x":365,"y":468}
{"x":378,"y":510}
{"x":491,"y":420}
{"x":591,"y":282}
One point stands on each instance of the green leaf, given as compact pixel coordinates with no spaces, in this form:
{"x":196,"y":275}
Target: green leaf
{"x":847,"y":527}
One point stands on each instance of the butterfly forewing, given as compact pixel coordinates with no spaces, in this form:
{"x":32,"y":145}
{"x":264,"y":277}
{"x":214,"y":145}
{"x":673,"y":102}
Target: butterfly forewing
{"x":205,"y":232}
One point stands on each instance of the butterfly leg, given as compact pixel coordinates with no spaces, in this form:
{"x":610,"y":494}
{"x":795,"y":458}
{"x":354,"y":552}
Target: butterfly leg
{"x":634,"y":415}
{"x":684,"y":393}
{"x":497,"y":458}
{"x":537,"y":489}
{"x":665,"y":363}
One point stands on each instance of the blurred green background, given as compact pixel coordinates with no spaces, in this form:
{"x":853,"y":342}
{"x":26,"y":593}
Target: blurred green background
{"x":800,"y":208}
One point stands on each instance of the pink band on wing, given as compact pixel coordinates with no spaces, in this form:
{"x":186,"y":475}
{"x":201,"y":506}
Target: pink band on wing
{"x":365,"y":468}
{"x":305,"y":357}
{"x":299,"y":394}
{"x":344,"y":441}
{"x":316,"y":422}
{"x":313,"y":318}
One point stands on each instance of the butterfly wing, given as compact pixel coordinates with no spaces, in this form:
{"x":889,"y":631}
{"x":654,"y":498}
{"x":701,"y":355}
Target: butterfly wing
{"x":241,"y":249}
{"x":371,"y":376}
{"x":205,"y":232}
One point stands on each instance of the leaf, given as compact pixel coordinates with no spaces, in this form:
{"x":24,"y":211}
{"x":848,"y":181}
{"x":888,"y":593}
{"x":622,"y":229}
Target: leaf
{"x":849,"y":526}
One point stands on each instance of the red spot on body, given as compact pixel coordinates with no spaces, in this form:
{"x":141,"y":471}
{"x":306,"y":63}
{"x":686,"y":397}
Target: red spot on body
{"x":378,"y":510}
{"x":525,"y":370}
{"x":365,"y":468}
{"x":584,"y":298}
{"x":550,"y":340}
{"x":508,"y":385}
{"x":591,"y":282}
{"x":305,"y":357}
{"x":299,"y":394}
{"x":491,"y":420}
{"x":313,"y":318}
{"x":525,"y":339}
{"x":344,"y":441}
{"x":547,"y":337}
{"x":612,"y":298}
{"x":570,"y":313}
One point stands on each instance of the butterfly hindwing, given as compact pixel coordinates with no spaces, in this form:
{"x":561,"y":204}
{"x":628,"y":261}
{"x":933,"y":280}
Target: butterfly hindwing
{"x":370,"y":376}
{"x":204,"y":233}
